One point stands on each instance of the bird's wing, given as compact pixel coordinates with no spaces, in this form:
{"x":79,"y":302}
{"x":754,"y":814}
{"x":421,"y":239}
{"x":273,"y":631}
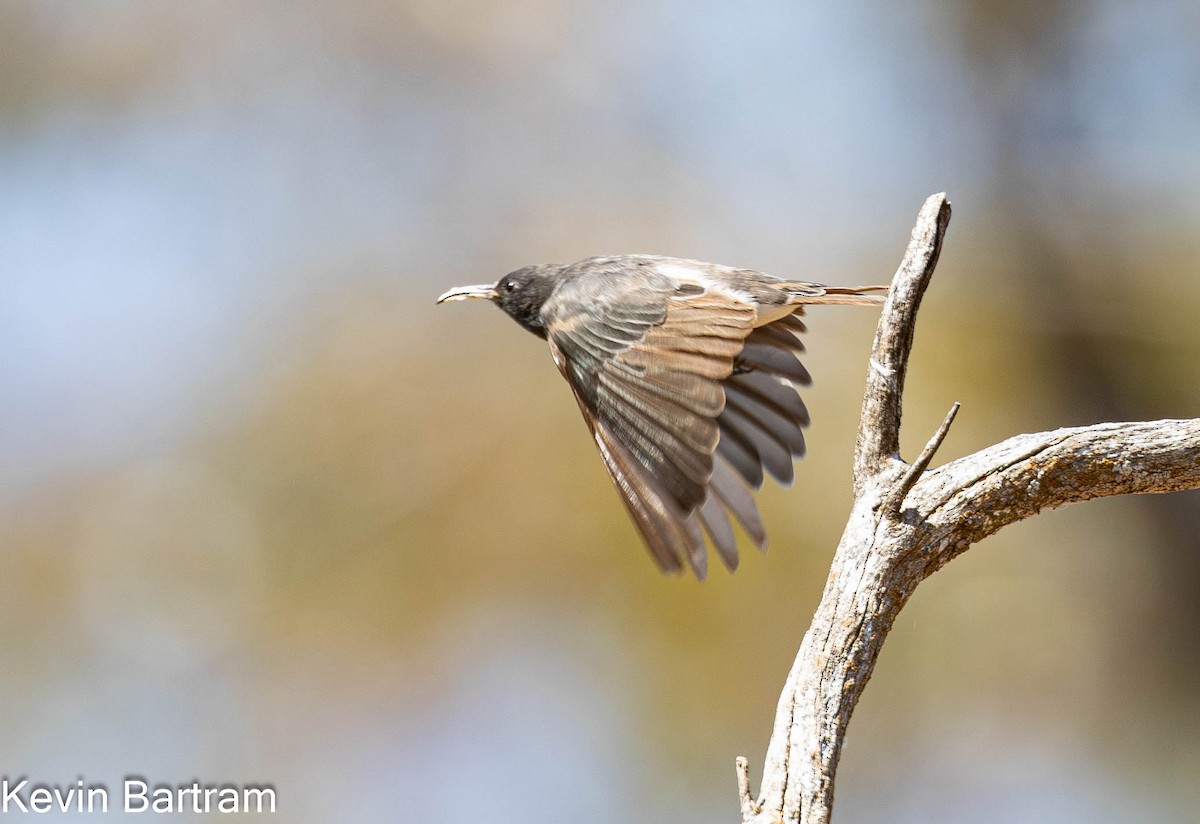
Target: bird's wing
{"x":665,"y":370}
{"x":762,"y":425}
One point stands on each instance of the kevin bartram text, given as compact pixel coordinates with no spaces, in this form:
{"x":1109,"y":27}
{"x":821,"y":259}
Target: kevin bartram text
{"x":136,"y":795}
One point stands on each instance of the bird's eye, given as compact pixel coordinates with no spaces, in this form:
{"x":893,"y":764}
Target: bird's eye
{"x":509,"y":285}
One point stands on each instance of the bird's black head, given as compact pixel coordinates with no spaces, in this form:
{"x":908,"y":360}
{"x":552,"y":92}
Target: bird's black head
{"x":520,"y":294}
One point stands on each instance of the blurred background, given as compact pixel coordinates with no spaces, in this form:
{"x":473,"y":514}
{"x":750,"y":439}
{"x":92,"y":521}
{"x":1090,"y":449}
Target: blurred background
{"x":267,"y":515}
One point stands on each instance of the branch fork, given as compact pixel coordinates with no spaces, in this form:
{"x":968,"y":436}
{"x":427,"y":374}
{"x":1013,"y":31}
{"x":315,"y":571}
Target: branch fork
{"x":908,"y":521}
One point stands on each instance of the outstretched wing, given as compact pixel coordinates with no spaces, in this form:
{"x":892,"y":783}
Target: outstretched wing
{"x":683,"y":396}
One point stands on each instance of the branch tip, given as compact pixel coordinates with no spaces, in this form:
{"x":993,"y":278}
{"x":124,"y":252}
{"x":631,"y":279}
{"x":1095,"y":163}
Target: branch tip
{"x":749,"y":807}
{"x":879,"y":424}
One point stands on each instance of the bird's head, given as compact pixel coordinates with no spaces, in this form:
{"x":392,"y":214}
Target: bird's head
{"x":520,"y":294}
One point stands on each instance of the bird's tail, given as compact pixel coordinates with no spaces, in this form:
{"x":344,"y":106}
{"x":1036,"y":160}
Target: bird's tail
{"x":846,"y":295}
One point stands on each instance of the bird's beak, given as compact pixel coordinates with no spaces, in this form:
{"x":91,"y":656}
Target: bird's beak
{"x":484,"y":291}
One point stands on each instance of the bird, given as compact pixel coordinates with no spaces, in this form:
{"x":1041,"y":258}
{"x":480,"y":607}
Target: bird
{"x":686,"y":375}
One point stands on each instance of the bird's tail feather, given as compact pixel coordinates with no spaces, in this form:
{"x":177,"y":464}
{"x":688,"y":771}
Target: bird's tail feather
{"x":854,"y":290}
{"x":848,"y":295}
{"x":800,"y":293}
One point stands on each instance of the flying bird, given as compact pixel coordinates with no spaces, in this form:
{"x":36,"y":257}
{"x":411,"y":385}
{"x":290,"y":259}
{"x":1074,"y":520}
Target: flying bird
{"x":685,"y":373}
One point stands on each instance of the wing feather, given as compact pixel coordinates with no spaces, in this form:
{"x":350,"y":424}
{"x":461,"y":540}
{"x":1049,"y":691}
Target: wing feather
{"x":772,"y":453}
{"x":778,"y":336}
{"x":688,"y":402}
{"x":716,"y":524}
{"x":780,"y":427}
{"x":659,"y":527}
{"x":741,"y":454}
{"x":738,"y":499}
{"x":769,"y":390}
{"x":767,"y":357}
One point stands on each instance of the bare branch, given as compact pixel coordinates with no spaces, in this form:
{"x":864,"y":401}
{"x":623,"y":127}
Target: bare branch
{"x":972,"y":497}
{"x":892,"y":504}
{"x":885,"y":553}
{"x":879,"y":428}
